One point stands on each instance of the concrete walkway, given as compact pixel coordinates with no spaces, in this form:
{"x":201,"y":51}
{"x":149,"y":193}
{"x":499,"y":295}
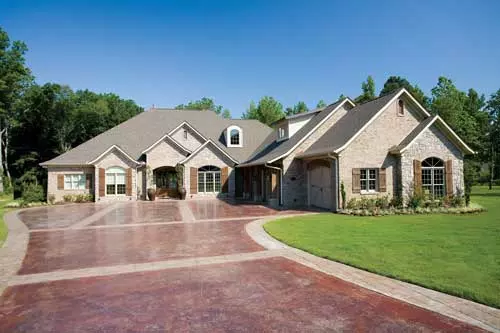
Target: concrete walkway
{"x":458,"y":308}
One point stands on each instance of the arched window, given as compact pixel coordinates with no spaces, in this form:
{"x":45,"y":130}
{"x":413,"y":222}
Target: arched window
{"x":115,"y":181}
{"x":209,"y":179}
{"x":433,"y":177}
{"x":234,"y":136}
{"x":401,"y":107}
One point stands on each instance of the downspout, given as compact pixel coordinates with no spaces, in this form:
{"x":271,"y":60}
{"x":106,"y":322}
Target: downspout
{"x":337,"y":179}
{"x":281,"y":180}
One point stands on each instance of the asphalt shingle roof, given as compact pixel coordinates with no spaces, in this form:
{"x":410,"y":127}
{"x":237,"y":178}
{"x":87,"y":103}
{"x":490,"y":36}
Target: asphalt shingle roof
{"x":140,"y":132}
{"x":347,"y":126}
{"x":271,"y":149}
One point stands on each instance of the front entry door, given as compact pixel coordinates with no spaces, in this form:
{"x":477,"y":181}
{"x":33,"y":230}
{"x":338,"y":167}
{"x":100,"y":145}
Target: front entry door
{"x":166,"y":183}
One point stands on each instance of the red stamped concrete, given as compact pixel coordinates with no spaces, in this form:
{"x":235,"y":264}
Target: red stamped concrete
{"x":218,"y":209}
{"x":256,"y":296}
{"x":142,"y":212}
{"x":58,"y":216}
{"x":72,"y":249}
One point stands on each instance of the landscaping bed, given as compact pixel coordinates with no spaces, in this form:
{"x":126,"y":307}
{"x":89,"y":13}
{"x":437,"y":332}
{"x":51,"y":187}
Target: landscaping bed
{"x":456,"y":254}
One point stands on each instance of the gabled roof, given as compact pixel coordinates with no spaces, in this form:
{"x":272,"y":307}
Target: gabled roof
{"x":142,"y":131}
{"x":422,"y":127}
{"x":113,"y":147}
{"x":272,"y":150}
{"x":350,"y":126}
{"x":200,"y":148}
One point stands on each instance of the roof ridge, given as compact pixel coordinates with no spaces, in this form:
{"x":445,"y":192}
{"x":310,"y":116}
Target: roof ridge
{"x":394,"y":92}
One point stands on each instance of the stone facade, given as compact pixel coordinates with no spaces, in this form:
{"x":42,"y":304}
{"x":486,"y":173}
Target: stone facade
{"x":431,"y":143}
{"x":371,"y":148}
{"x":54,"y":172}
{"x":209,"y":155}
{"x":115,"y":159}
{"x":295,"y":185}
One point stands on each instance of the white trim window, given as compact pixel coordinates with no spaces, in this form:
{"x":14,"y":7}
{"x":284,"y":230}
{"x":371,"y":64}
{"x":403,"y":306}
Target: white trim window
{"x":115,"y":181}
{"x":433,"y":177}
{"x":209,"y":179}
{"x":368,"y":180}
{"x":281,"y":133}
{"x":234,"y":136}
{"x":74,"y":182}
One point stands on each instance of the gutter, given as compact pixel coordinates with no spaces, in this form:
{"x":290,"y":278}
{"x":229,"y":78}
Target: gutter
{"x":281,"y":180}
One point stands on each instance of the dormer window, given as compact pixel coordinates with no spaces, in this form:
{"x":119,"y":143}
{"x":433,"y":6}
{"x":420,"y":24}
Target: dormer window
{"x":401,"y":108}
{"x":234,"y":136}
{"x":281,"y":133}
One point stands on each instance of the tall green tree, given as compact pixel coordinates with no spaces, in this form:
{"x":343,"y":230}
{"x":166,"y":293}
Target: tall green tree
{"x":206,"y":104}
{"x":493,"y":108}
{"x":464,"y":113}
{"x":395,"y":82}
{"x":300,"y":107}
{"x":15,"y":76}
{"x":368,"y":88}
{"x":267,"y":111}
{"x":321,"y":104}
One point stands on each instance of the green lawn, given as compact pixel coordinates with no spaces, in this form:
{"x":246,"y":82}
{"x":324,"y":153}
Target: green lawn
{"x":456,"y":254}
{"x":4,"y":199}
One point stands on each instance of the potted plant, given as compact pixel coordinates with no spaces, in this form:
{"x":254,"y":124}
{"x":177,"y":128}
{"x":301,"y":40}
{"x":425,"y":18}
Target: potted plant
{"x":151,"y":194}
{"x":179,"y":168}
{"x":151,"y":191}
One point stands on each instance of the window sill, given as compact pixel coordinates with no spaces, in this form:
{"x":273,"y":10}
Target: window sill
{"x":369,"y":192}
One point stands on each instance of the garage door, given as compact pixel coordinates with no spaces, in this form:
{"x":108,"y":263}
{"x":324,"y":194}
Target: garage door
{"x":320,"y":186}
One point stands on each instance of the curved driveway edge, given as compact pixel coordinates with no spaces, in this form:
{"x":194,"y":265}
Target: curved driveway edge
{"x":14,"y":249}
{"x":458,"y":308}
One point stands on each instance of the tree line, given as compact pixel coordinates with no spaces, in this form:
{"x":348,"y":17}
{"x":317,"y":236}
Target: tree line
{"x":40,"y":121}
{"x":473,"y":116}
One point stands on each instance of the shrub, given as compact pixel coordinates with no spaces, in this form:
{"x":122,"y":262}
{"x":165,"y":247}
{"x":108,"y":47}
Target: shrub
{"x":382,"y":202}
{"x":68,"y":198}
{"x":343,"y":194}
{"x":353,"y":204}
{"x":415,"y":198}
{"x":7,"y":185}
{"x":13,"y":204}
{"x":397,"y":201}
{"x":78,"y":198}
{"x":51,"y":199}
{"x":32,"y":193}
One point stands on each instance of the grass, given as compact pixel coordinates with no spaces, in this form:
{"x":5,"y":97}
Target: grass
{"x":4,"y":199}
{"x":455,"y":254}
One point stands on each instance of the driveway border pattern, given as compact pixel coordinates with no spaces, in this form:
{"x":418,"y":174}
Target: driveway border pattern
{"x":14,"y":249}
{"x":458,"y":308}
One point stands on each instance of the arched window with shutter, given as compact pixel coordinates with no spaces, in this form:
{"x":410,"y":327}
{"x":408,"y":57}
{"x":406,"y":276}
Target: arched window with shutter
{"x":433,"y":177}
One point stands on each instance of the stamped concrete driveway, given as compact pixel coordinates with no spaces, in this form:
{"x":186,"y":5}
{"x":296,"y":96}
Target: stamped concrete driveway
{"x":182,"y":266}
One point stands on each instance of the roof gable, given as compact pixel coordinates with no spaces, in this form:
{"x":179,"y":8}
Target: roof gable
{"x":425,"y":125}
{"x":349,"y":127}
{"x":273,"y":150}
{"x":139,"y":133}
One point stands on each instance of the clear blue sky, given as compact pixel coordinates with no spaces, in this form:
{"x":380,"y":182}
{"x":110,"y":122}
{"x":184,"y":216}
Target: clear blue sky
{"x":169,"y":52}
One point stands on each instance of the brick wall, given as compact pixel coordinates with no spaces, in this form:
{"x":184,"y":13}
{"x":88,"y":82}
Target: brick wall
{"x":370,"y":149}
{"x":54,"y":172}
{"x":192,"y":141}
{"x":209,"y":156}
{"x":112,"y":159}
{"x":295,"y":171}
